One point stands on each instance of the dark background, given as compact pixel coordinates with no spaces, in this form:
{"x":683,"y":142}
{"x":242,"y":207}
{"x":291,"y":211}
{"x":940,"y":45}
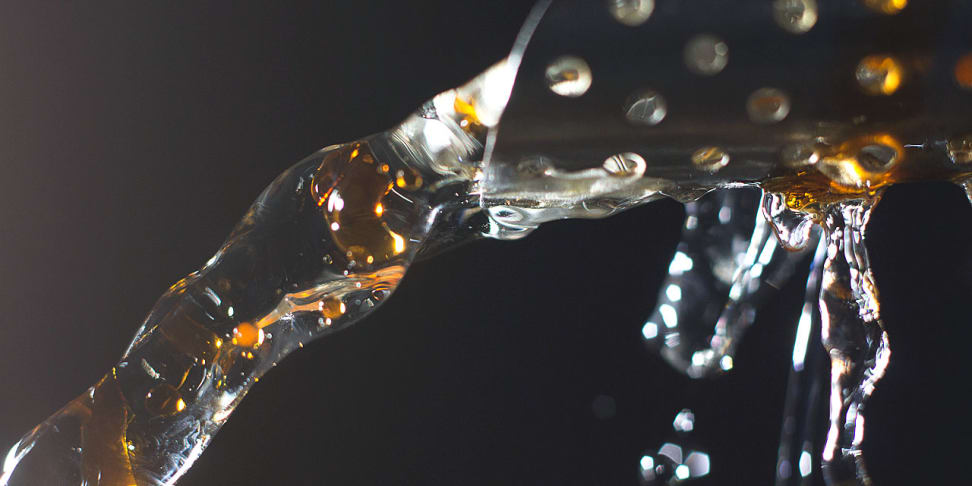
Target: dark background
{"x":134,"y":134}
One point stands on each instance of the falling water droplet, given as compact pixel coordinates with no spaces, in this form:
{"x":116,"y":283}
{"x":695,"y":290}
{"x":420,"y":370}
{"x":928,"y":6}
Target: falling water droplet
{"x":675,"y":462}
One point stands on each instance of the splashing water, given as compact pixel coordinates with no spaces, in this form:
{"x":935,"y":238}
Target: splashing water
{"x":675,"y":462}
{"x":330,"y":239}
{"x":324,"y":245}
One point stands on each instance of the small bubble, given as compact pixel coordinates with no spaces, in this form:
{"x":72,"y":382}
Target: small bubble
{"x":624,"y":165}
{"x":710,"y":159}
{"x":645,"y":107}
{"x":879,"y":75}
{"x":631,"y":12}
{"x":887,"y":7}
{"x":706,"y":54}
{"x":768,"y":105}
{"x":795,"y":16}
{"x":328,"y":259}
{"x":569,"y":76}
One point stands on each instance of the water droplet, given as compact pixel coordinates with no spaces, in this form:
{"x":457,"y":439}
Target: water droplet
{"x":569,"y":76}
{"x":164,"y":400}
{"x":625,"y":165}
{"x":768,"y":105}
{"x":631,"y":12}
{"x":963,"y":71}
{"x":645,"y":107}
{"x":247,"y":335}
{"x":684,"y":421}
{"x":888,"y":7}
{"x":710,"y":159}
{"x":795,"y":16}
{"x":880,"y":75}
{"x":657,"y":470}
{"x":706,"y":54}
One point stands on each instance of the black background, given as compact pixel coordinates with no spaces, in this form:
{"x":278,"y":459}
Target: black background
{"x":134,"y":134}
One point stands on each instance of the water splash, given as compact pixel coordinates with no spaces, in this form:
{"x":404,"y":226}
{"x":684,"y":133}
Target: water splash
{"x":320,"y":248}
{"x":727,"y":264}
{"x":324,"y":245}
{"x":853,"y":335}
{"x":675,"y":462}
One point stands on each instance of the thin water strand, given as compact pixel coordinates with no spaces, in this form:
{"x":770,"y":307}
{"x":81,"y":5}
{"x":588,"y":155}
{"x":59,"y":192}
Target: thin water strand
{"x":726,"y":265}
{"x":854,"y":336}
{"x":799,"y":452}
